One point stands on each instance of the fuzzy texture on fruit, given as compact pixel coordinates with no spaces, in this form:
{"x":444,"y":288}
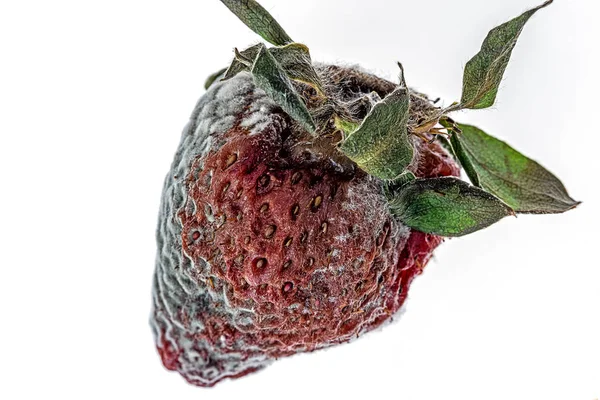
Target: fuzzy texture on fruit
{"x":271,"y":242}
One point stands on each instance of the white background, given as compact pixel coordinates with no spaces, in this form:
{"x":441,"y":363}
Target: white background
{"x":93,"y":97}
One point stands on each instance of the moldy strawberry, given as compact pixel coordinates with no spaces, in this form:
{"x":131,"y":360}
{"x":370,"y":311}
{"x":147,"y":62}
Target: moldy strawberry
{"x":304,"y":198}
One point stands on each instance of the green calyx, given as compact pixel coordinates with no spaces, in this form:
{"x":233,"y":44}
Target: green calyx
{"x":270,"y":77}
{"x":294,"y":59}
{"x":273,"y":69}
{"x":381,"y":145}
{"x":504,"y":181}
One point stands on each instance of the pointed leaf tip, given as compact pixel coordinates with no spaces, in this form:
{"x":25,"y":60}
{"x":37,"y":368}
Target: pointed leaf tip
{"x":446,"y":207}
{"x":484,"y":72}
{"x":520,"y":182}
{"x":402,"y":77}
{"x":259,"y":20}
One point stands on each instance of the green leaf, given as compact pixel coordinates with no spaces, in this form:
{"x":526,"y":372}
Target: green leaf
{"x":212,"y":78}
{"x":270,"y":77}
{"x":484,"y":72}
{"x":520,"y":182}
{"x":243,"y":61}
{"x":234,"y":68}
{"x":295,"y":59}
{"x":259,"y":20}
{"x":381,"y":145}
{"x":465,"y":160}
{"x":458,"y":150}
{"x":447,"y":207}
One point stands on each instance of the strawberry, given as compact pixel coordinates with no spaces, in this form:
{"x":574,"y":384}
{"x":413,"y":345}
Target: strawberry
{"x":304,"y":199}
